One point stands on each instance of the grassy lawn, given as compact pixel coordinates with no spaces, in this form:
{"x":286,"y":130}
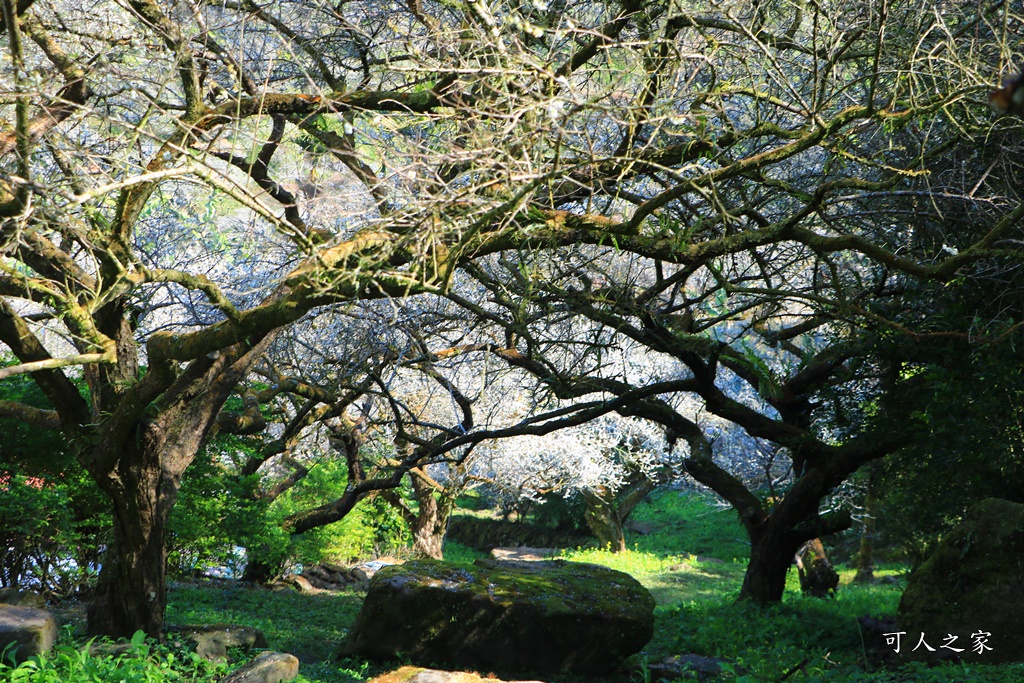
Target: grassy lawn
{"x":692,"y":559}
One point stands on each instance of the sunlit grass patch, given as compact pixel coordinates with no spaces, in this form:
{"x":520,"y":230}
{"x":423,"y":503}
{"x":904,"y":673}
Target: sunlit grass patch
{"x":683,"y":523}
{"x":639,"y":563}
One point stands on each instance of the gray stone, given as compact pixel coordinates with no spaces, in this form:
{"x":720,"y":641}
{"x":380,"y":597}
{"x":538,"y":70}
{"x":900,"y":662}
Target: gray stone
{"x":14,"y":596}
{"x":534,"y":616}
{"x":299,"y":582}
{"x":269,"y":667}
{"x":213,"y":640}
{"x":364,"y":571}
{"x":973,"y":583}
{"x":27,"y":631}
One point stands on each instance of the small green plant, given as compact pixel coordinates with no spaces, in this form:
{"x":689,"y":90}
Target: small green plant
{"x":142,"y":661}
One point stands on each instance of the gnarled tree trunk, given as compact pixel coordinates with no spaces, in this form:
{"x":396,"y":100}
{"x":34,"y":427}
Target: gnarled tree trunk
{"x":776,"y":536}
{"x":429,"y":522}
{"x":138,"y":462}
{"x":131,"y":594}
{"x":607,"y":510}
{"x":865,"y":556}
{"x":603,"y":519}
{"x":771,"y":554}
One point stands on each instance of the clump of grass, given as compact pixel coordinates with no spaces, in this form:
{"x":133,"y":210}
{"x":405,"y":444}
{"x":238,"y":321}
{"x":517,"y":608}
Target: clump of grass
{"x":457,"y":553}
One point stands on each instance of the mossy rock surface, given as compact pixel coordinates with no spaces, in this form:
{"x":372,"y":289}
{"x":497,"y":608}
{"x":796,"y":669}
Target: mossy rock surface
{"x":972,"y":583}
{"x":516,"y":616}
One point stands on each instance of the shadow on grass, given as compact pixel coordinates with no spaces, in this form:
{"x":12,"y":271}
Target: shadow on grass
{"x":695,"y":581}
{"x":310,"y":626}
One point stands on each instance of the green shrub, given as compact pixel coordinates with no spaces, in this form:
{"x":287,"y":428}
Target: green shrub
{"x":53,"y":517}
{"x":372,"y":527}
{"x":215,"y":514}
{"x":144,"y":662}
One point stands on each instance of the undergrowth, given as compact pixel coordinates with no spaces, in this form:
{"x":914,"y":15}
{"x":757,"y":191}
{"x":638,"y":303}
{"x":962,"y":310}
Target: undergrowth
{"x":141,"y":661}
{"x":691,"y":556}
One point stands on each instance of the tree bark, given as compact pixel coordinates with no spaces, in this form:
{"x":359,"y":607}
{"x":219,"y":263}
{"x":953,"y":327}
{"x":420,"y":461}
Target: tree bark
{"x":430,"y":524}
{"x":771,"y":553}
{"x":132,"y":594}
{"x":258,"y":571}
{"x":138,"y":462}
{"x":603,"y":519}
{"x":865,"y":557}
{"x":776,"y":536}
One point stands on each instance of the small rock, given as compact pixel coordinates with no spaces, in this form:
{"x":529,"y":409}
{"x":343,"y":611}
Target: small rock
{"x":317,"y":582}
{"x":364,"y":571}
{"x":362,"y":574}
{"x":316,"y":572}
{"x":299,"y":582}
{"x":688,"y":667}
{"x":31,"y":630}
{"x":213,"y":640}
{"x":13,"y":596}
{"x":269,"y":667}
{"x":873,"y":634}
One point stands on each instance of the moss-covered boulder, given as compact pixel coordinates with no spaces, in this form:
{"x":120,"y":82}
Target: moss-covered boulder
{"x":525,"y":616}
{"x":971,"y":587}
{"x":25,"y":631}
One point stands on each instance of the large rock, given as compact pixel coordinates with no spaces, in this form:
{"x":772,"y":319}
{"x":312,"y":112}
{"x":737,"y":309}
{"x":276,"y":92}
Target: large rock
{"x":973,"y":583}
{"x":536,"y":616}
{"x":31,"y":630}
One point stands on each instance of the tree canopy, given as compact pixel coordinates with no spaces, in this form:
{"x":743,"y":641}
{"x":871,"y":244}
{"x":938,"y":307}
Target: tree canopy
{"x":629,"y":205}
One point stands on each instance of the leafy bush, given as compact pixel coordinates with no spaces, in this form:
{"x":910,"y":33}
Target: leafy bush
{"x":144,"y":662}
{"x":216,"y":514}
{"x":53,"y":516}
{"x":372,"y":527}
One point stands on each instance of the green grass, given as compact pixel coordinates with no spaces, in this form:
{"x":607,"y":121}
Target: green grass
{"x":692,"y":558}
{"x":308,"y":626}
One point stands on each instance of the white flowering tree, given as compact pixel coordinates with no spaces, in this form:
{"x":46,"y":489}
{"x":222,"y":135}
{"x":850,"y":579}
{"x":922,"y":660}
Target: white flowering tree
{"x":611,"y":462}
